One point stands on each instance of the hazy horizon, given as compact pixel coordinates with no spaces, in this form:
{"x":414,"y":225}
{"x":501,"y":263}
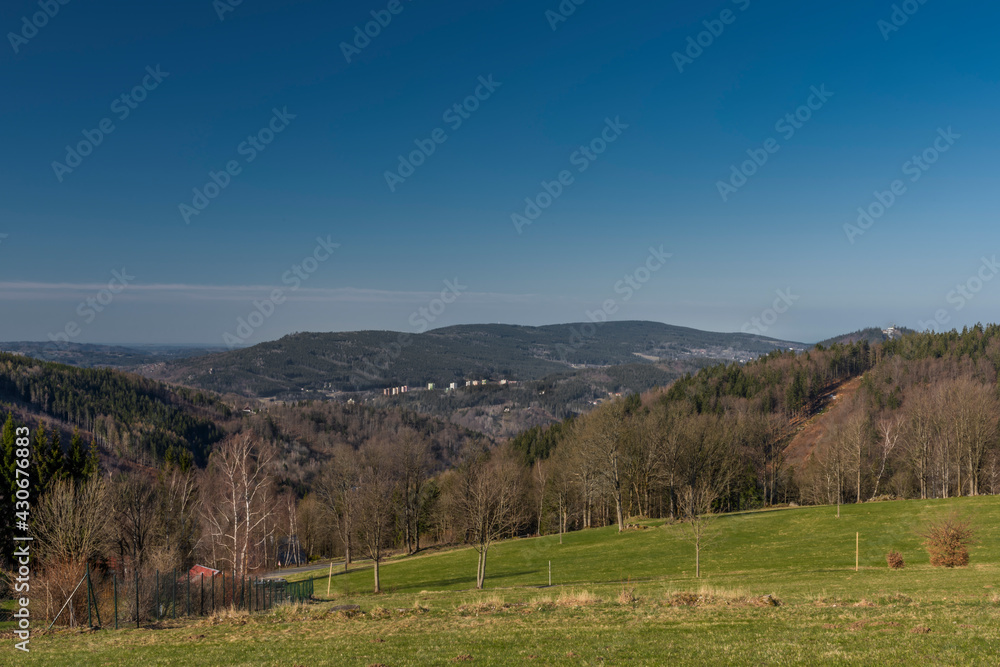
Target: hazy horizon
{"x":172,"y":168}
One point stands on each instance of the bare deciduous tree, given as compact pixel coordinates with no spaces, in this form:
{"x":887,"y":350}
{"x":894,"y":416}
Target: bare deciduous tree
{"x":488,"y":501}
{"x":889,"y":430}
{"x":72,"y":521}
{"x":375,"y":511}
{"x":602,"y":440}
{"x":135,"y":517}
{"x":337,"y":490}
{"x":177,"y":513}
{"x":238,"y":501}
{"x":413,"y":469}
{"x":695,"y":505}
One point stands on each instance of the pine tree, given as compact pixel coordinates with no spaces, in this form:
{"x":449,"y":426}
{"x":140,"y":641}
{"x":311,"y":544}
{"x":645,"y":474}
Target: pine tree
{"x":76,"y":459}
{"x":93,"y":463}
{"x":51,"y":463}
{"x":7,"y":447}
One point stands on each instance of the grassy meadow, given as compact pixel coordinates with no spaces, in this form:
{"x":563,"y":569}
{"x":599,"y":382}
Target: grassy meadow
{"x":621,"y":599}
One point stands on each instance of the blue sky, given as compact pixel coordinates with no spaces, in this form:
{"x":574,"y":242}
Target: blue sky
{"x":657,"y":184}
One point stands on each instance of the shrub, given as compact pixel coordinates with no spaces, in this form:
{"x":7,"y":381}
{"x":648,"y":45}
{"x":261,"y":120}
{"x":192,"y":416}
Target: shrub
{"x":627,"y":595}
{"x":895,"y":560}
{"x":947,"y":541}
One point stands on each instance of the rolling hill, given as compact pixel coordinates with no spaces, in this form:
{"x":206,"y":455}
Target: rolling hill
{"x":326,"y":363}
{"x":87,"y":355}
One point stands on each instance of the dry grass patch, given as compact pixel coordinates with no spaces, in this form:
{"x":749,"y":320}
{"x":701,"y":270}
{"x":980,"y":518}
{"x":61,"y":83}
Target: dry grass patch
{"x":709,"y":596}
{"x":627,"y":596}
{"x":487,"y":605}
{"x":228,"y":614}
{"x":379,"y":613}
{"x":574,"y":598}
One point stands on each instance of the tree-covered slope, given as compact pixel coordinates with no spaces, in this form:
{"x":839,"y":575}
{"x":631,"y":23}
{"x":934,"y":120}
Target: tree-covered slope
{"x":375,"y":359}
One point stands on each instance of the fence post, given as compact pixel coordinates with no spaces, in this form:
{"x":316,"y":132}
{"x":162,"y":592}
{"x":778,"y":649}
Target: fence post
{"x":114,"y":581}
{"x":213,"y":593}
{"x":156,"y":596}
{"x":175,"y":593}
{"x":97,"y":610}
{"x":223,"y":588}
{"x":90,"y":623}
{"x":136,"y":595}
{"x":201,"y":584}
{"x":189,"y":594}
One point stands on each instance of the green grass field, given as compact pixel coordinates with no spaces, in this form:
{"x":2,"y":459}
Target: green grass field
{"x":804,"y":557}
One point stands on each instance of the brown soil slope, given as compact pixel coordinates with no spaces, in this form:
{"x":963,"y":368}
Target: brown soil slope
{"x":810,"y":429}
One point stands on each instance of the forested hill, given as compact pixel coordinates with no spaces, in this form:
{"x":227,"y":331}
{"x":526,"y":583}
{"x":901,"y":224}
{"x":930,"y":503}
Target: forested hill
{"x":141,"y":422}
{"x":917,"y":416}
{"x":88,"y":355}
{"x":375,"y":359}
{"x":132,"y":417}
{"x":870,"y":335}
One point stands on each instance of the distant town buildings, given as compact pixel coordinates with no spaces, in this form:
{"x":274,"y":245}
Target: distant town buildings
{"x":452,"y":386}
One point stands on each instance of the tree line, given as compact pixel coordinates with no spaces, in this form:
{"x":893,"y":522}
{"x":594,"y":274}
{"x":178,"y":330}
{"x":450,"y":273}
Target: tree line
{"x":914,"y":417}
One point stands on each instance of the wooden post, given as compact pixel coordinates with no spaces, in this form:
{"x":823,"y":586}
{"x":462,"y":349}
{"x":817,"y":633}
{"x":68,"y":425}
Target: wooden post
{"x":857,"y":547}
{"x":136,"y":596}
{"x":329,"y":579}
{"x":550,"y":574}
{"x":114,"y":580}
{"x":90,"y":623}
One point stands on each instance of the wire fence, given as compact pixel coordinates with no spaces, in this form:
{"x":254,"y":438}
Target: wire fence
{"x":112,"y":601}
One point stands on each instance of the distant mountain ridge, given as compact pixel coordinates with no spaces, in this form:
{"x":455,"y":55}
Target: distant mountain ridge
{"x":372,"y":360}
{"x":871,"y":334}
{"x":87,"y":355}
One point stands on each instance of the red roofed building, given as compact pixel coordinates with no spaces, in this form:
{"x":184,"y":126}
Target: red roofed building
{"x":201,"y":570}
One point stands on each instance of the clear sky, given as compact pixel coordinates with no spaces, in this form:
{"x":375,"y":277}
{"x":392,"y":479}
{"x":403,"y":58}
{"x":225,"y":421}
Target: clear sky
{"x":186,"y":93}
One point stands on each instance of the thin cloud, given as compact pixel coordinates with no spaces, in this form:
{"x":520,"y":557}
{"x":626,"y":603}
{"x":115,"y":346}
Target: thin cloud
{"x":159,"y":292}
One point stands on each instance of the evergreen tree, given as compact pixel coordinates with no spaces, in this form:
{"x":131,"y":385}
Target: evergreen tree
{"x":7,"y":446}
{"x":76,"y":459}
{"x":51,"y":463}
{"x":93,"y":464}
{"x":39,"y":449}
